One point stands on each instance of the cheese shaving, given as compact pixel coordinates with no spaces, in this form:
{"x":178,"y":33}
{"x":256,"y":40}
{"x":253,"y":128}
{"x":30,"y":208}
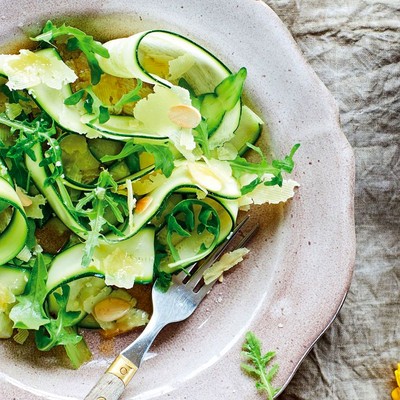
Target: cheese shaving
{"x":226,"y":262}
{"x":28,"y":69}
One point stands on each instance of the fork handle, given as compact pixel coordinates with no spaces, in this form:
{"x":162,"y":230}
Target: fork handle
{"x":112,"y":384}
{"x":109,"y":387}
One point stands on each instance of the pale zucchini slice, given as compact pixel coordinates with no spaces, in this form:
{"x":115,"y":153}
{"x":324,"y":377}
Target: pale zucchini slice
{"x":152,"y":56}
{"x":125,"y":262}
{"x":12,"y":239}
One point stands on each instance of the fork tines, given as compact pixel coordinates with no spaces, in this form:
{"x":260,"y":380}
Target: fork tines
{"x":193,"y":275}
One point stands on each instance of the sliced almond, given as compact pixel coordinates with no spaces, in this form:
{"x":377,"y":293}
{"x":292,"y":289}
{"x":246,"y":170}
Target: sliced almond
{"x":184,"y":116}
{"x":25,"y":200}
{"x":206,"y":178}
{"x":111,"y":309}
{"x":143,"y":203}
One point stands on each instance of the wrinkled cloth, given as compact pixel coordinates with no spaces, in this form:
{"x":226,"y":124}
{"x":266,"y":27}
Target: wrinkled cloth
{"x":354,"y":47}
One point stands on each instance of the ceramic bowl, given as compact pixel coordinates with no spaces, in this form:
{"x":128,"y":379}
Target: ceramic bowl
{"x":291,"y":286}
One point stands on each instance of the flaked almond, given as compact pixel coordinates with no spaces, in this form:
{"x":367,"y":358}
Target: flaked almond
{"x":25,"y":200}
{"x":143,"y":203}
{"x":184,"y":116}
{"x":206,"y":178}
{"x":110,"y":309}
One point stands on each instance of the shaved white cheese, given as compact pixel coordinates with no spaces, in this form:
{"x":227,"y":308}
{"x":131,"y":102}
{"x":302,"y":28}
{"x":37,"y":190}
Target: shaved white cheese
{"x":6,"y":298}
{"x":32,"y":204}
{"x":153,"y":114}
{"x":120,"y":266}
{"x":204,"y":176}
{"x":131,"y":203}
{"x":226,"y":262}
{"x":220,"y":168}
{"x":227,"y":152}
{"x":24,"y":254}
{"x":180,"y":65}
{"x":28,"y":69}
{"x":24,"y":198}
{"x":270,"y":194}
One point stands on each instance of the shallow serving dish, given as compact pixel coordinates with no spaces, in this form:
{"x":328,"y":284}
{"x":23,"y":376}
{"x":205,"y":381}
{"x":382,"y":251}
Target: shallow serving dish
{"x":294,"y":281}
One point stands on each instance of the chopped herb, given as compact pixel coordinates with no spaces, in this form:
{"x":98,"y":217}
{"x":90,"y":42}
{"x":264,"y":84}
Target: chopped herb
{"x":240,"y":165}
{"x":55,"y":333}
{"x":182,"y":221}
{"x":130,"y":97}
{"x":163,"y":157}
{"x":28,"y":313}
{"x":93,"y":206}
{"x":78,"y":40}
{"x":201,"y":137}
{"x":92,"y":104}
{"x":40,"y":130}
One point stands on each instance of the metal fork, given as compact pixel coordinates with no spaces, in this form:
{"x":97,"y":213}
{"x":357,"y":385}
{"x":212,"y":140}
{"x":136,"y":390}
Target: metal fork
{"x":178,"y":303}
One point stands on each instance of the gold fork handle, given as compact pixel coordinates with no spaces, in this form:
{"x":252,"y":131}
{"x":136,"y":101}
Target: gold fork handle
{"x":112,"y":384}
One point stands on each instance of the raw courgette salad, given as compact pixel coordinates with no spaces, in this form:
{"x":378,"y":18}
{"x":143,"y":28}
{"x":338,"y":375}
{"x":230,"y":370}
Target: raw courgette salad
{"x":120,"y":163}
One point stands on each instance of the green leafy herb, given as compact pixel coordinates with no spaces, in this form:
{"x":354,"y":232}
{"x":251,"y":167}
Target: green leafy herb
{"x":16,"y":167}
{"x":78,"y":40}
{"x":257,"y":363}
{"x":163,"y":157}
{"x":40,"y":130}
{"x":14,"y":96}
{"x":182,"y":221}
{"x":55,"y":333}
{"x":240,"y":165}
{"x":162,"y":279}
{"x":78,"y":353}
{"x":201,"y":137}
{"x":28,"y":312}
{"x":92,"y":104}
{"x":130,"y":97}
{"x":93,"y":205}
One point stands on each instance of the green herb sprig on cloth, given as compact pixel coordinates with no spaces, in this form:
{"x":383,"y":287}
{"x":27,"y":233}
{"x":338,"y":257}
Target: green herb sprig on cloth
{"x":257,"y":363}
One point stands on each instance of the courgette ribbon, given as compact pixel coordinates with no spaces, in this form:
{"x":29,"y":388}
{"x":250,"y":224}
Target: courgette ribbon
{"x":13,"y":237}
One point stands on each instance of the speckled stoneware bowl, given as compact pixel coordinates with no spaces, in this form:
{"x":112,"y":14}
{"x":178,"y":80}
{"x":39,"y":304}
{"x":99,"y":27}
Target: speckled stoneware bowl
{"x":293,"y":283}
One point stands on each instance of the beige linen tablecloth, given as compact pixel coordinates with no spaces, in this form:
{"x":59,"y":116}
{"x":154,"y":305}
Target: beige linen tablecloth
{"x":354,"y":46}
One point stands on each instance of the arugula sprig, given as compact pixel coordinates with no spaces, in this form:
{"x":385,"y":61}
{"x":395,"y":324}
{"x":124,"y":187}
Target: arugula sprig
{"x":28,"y":313}
{"x":240,"y":165}
{"x":163,"y":157}
{"x":78,"y":40}
{"x":162,"y":279}
{"x":257,"y":363}
{"x":14,"y":96}
{"x":129,"y":97}
{"x":55,"y":333}
{"x":40,"y":130}
{"x":93,"y":206}
{"x":92,"y":104}
{"x":95,"y":107}
{"x":182,"y":221}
